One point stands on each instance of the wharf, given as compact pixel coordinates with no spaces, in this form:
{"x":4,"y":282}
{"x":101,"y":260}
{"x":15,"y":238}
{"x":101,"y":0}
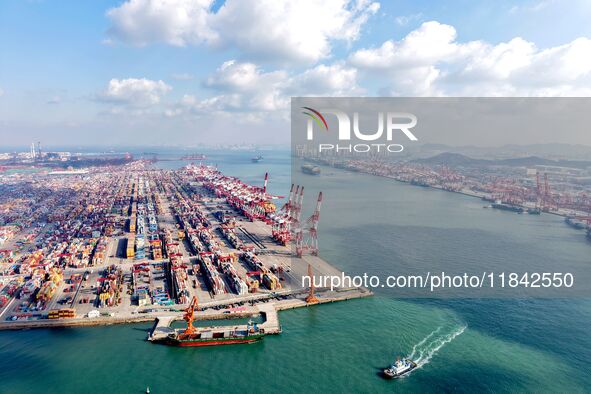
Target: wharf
{"x":270,"y":326}
{"x":269,"y":311}
{"x":480,"y":195}
{"x":163,"y":319}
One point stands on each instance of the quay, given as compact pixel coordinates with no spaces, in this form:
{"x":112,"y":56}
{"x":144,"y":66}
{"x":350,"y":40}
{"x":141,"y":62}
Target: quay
{"x":163,"y":319}
{"x":269,"y":311}
{"x":270,"y":326}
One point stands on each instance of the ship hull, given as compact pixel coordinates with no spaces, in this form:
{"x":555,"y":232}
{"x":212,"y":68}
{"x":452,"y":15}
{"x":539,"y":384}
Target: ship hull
{"x":397,"y":376}
{"x":212,"y":342}
{"x":575,"y":224}
{"x":506,"y":207}
{"x":216,"y":343}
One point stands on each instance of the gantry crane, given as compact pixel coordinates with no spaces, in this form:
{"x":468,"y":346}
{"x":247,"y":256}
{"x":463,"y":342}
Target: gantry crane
{"x":309,"y":241}
{"x":189,"y":317}
{"x":281,"y":227}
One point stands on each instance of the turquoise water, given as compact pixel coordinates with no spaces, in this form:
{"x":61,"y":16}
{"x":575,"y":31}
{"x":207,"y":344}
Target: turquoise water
{"x":464,"y":345}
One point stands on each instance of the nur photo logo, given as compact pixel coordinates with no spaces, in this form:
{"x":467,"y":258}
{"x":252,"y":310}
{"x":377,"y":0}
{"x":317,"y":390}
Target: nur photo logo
{"x":388,"y":125}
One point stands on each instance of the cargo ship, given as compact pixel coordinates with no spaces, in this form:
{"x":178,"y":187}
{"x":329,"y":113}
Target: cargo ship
{"x":419,"y":182}
{"x":507,"y":207}
{"x":195,"y":156}
{"x":191,"y":336}
{"x":310,"y":169}
{"x":575,"y":223}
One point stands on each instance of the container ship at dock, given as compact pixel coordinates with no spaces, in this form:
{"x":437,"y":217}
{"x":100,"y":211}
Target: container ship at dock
{"x":216,"y":338}
{"x":575,"y":223}
{"x":506,"y":207}
{"x":192,"y":336}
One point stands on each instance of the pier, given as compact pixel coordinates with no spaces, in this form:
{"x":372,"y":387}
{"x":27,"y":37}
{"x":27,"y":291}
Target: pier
{"x":270,"y":326}
{"x":269,"y":311}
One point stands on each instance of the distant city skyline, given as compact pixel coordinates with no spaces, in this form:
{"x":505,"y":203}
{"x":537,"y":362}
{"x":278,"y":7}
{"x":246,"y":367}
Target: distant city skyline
{"x":186,"y":72}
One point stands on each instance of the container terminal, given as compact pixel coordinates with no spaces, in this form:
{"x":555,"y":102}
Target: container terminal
{"x":521,"y":185}
{"x":130,"y":243}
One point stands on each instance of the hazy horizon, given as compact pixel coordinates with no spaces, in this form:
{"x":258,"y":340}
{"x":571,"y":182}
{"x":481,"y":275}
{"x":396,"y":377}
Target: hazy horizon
{"x":238,"y":146}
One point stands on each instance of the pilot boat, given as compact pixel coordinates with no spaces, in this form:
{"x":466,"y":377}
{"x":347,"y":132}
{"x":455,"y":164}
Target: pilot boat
{"x":400,"y":368}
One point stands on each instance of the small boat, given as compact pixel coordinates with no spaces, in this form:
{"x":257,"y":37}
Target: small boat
{"x":311,"y":169}
{"x":257,"y":159}
{"x":399,"y":368}
{"x":147,"y":390}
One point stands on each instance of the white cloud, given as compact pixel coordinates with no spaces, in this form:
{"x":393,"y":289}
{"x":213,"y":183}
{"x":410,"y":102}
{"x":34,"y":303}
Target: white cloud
{"x":232,"y":75}
{"x":174,"y":22}
{"x":134,"y":92}
{"x":288,"y":30}
{"x":231,"y":107}
{"x":409,"y":64}
{"x":323,"y":80}
{"x":279,"y":30}
{"x":430,"y":61}
{"x":245,"y":87}
{"x":430,"y":43}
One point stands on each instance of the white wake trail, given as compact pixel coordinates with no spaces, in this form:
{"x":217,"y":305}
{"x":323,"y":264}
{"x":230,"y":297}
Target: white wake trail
{"x":434,"y":346}
{"x":422,"y":342}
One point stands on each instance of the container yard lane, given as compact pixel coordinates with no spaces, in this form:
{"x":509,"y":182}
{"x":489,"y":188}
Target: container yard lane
{"x":130,"y":243}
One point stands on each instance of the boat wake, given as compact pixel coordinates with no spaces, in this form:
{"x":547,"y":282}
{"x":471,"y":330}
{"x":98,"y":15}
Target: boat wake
{"x":428,"y":347}
{"x":422,"y":342}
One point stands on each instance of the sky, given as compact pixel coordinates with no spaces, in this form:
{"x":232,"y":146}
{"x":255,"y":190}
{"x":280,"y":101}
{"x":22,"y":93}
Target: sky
{"x":188,"y":72}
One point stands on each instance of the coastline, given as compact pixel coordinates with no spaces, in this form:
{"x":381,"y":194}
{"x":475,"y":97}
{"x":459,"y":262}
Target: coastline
{"x":222,"y":314}
{"x":464,"y":192}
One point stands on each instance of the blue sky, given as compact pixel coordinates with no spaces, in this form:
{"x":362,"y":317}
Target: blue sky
{"x":200,"y":71}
